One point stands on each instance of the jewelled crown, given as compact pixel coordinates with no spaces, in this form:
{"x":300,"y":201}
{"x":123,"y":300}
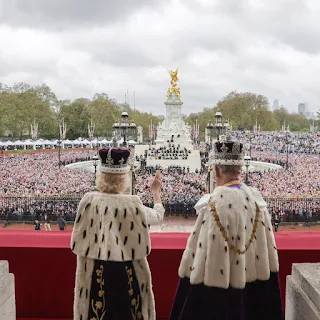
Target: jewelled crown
{"x":227,"y":152}
{"x":115,"y":160}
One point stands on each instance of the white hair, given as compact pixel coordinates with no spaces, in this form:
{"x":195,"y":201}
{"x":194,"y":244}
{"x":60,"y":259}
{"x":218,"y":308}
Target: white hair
{"x":230,"y":170}
{"x":112,"y":183}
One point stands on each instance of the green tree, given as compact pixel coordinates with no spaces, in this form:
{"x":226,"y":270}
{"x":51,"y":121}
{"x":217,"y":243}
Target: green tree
{"x":19,"y":109}
{"x":143,"y":119}
{"x":46,"y":94}
{"x":104,"y":112}
{"x":20,"y":87}
{"x":298,"y":122}
{"x":76,"y":117}
{"x":281,"y":116}
{"x":242,"y":110}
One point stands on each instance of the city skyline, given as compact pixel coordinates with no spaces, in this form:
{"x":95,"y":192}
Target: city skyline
{"x":301,"y":108}
{"x":79,"y":49}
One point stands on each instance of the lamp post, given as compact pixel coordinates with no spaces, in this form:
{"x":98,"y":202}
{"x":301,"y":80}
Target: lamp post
{"x":59,"y":151}
{"x":209,"y":180}
{"x":95,"y":160}
{"x":124,"y":129}
{"x":250,"y":144}
{"x":209,"y":131}
{"x":218,"y":125}
{"x":247,"y":164}
{"x":134,"y":181}
{"x":287,"y":145}
{"x":227,"y":126}
{"x":133,"y":130}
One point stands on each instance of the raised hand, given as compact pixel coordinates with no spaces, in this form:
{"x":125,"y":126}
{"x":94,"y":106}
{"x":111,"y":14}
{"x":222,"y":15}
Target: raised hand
{"x":156,"y":183}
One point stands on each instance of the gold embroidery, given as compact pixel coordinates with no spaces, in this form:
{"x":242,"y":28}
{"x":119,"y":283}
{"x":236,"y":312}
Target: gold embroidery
{"x":224,"y":233}
{"x":99,"y":307}
{"x":232,"y":183}
{"x":135,"y":301}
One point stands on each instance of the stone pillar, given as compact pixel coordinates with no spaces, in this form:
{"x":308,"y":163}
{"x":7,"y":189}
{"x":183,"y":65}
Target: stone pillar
{"x":303,"y":292}
{"x":7,"y":296}
{"x":140,"y":135}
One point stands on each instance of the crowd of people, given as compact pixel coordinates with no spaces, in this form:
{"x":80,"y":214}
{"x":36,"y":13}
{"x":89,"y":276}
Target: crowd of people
{"x":181,"y":189}
{"x":38,"y":175}
{"x":298,"y":143}
{"x":171,"y":152}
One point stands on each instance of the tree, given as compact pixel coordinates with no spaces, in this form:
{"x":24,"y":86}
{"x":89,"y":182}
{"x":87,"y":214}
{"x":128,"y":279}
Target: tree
{"x":60,"y":104}
{"x":21,"y":105}
{"x":142,"y":119}
{"x":19,"y":109}
{"x":281,"y":116}
{"x":46,"y":94}
{"x":298,"y":122}
{"x":104,"y":112}
{"x":76,"y":117}
{"x":20,"y":87}
{"x":242,"y":109}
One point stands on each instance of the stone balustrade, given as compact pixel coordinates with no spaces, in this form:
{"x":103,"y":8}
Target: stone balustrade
{"x":303,"y":292}
{"x":7,"y":293}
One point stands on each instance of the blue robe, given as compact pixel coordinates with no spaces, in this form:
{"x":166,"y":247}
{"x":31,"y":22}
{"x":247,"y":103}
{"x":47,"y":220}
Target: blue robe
{"x":254,"y":300}
{"x":260,"y":300}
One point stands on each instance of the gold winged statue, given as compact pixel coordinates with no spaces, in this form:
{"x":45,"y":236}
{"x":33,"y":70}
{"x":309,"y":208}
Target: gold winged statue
{"x":174,"y":81}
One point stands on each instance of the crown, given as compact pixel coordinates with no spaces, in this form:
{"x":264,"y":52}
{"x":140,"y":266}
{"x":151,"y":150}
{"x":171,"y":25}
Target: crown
{"x":115,"y":160}
{"x":227,"y":152}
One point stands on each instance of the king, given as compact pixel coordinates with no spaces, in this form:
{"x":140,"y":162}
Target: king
{"x":229,"y":269}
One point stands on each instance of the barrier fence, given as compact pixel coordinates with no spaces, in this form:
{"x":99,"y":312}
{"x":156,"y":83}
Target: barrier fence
{"x":15,"y":209}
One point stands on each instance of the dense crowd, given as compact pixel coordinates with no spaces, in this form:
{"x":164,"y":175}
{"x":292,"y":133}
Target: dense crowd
{"x":298,"y":143}
{"x":301,"y":178}
{"x":181,"y":189}
{"x":38,"y":174}
{"x":171,"y":152}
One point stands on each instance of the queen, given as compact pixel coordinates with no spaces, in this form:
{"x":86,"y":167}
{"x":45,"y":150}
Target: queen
{"x":111,"y":240}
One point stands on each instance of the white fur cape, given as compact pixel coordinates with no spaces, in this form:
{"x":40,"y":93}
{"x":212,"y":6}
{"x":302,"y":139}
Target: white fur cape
{"x":207,"y":258}
{"x":111,"y":228}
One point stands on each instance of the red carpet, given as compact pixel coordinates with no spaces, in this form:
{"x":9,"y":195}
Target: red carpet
{"x":44,"y":267}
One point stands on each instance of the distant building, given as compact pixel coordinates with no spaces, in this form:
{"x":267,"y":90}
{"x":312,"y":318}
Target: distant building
{"x":302,"y":108}
{"x":275,"y":105}
{"x":310,"y":115}
{"x":161,"y":117}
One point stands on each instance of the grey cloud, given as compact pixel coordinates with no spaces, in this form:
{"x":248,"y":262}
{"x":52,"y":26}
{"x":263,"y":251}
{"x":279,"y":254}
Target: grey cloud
{"x":8,"y":67}
{"x":65,"y":14}
{"x":268,"y":64}
{"x":109,"y":46}
{"x":300,"y":38}
{"x":208,"y":40}
{"x":293,"y":23}
{"x":124,"y":56}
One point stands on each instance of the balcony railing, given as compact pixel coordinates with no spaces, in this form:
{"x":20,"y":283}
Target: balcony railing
{"x":30,"y":208}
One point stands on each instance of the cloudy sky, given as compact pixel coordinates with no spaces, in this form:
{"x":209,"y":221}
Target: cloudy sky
{"x":80,"y":47}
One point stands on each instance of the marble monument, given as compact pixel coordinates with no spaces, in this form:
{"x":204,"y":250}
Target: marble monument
{"x":173,"y":125}
{"x":173,"y":131}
